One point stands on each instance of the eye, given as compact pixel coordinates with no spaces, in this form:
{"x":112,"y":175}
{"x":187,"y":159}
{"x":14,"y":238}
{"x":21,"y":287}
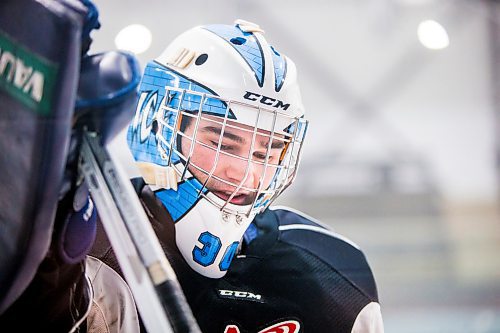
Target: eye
{"x":222,"y":147}
{"x":261,"y":156}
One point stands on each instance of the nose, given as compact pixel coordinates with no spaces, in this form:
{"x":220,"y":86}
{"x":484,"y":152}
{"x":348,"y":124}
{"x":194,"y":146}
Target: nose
{"x":243,"y":172}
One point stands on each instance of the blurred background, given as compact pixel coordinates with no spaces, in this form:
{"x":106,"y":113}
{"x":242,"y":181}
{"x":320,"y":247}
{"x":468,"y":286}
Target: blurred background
{"x":403,"y":150}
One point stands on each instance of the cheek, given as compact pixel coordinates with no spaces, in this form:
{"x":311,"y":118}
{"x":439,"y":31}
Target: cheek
{"x":268,"y":177}
{"x":203,"y":157}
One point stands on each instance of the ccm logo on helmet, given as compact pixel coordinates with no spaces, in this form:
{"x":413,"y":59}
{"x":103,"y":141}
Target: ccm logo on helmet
{"x":265,"y":100}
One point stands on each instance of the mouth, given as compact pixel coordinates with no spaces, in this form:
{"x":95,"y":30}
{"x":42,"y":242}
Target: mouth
{"x":238,"y":199}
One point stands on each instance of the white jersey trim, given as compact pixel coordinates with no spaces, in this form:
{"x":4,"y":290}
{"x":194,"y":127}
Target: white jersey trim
{"x":327,"y":229}
{"x":319,"y":230}
{"x":369,"y":320}
{"x":304,"y":215}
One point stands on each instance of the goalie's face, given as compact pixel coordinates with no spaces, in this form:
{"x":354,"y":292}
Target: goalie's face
{"x":232,"y":160}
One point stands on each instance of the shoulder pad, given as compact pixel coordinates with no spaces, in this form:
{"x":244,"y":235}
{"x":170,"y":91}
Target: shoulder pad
{"x":334,"y":249}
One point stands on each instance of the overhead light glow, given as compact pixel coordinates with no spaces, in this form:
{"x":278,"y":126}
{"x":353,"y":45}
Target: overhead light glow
{"x":433,"y":35}
{"x":135,"y":38}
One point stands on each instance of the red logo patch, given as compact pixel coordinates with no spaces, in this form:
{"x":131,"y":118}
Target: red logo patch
{"x":289,"y":326}
{"x":232,"y":329}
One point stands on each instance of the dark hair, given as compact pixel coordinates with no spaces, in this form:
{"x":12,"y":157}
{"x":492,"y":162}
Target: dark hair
{"x":185,"y":122}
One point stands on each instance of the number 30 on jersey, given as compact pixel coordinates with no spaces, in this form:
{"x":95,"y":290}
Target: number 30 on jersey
{"x":206,"y":254}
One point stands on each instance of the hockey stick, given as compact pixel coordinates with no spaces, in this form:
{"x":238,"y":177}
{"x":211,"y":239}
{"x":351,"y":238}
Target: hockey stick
{"x":158,"y":295}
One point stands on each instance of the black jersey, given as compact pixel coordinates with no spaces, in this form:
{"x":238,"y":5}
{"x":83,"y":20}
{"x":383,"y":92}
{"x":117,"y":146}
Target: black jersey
{"x":291,"y":275}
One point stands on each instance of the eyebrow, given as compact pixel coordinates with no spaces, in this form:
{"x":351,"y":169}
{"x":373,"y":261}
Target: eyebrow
{"x":276,"y":144}
{"x":228,"y":135}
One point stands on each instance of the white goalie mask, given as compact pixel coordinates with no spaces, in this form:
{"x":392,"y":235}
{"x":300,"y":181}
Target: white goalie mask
{"x":217,"y":134}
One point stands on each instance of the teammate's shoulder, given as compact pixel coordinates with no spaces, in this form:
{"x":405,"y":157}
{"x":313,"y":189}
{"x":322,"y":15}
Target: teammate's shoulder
{"x":337,"y":251}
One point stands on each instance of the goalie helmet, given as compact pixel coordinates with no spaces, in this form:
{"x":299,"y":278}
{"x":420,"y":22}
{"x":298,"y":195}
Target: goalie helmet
{"x":217,"y":134}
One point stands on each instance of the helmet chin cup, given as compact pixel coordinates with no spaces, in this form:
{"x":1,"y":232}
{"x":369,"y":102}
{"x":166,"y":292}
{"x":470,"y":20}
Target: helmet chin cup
{"x":209,"y":238}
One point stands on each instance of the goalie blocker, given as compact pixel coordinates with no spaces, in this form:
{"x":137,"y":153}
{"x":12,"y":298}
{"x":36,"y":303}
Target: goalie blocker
{"x":47,"y":219}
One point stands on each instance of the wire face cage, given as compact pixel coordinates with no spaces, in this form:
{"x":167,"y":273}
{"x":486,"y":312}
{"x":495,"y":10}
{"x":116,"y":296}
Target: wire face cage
{"x":237,"y":155}
{"x":238,"y":163}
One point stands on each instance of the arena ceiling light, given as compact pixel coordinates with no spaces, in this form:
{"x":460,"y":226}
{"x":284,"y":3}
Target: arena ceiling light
{"x":433,"y":35}
{"x":135,"y":38}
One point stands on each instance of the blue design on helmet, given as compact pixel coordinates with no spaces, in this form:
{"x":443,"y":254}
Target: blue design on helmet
{"x":179,"y":202}
{"x":279,"y":63}
{"x":141,"y":134}
{"x":246,"y":44}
